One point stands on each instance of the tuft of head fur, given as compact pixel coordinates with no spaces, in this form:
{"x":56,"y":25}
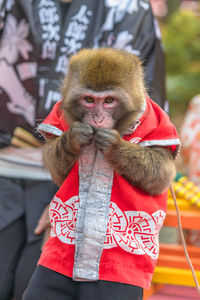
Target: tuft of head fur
{"x":105,"y":69}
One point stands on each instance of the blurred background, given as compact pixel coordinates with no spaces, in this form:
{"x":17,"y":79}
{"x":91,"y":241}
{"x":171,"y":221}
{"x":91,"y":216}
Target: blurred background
{"x":180,"y":25}
{"x":179,"y":22}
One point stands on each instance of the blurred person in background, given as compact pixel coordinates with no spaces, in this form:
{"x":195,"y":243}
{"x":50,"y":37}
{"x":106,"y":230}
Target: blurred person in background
{"x":37,"y":37}
{"x":190,"y":140}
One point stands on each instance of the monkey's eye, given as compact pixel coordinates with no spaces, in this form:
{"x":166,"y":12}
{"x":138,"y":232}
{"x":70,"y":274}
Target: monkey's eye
{"x":89,"y":99}
{"x":109,"y":100}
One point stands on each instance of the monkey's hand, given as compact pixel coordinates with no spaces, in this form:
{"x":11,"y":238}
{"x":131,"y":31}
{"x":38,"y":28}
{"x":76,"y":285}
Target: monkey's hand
{"x":80,"y":134}
{"x":61,"y":153}
{"x":106,"y":139}
{"x":150,"y":169}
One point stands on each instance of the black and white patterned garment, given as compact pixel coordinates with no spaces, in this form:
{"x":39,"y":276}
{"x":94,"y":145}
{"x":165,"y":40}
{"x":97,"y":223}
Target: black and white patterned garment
{"x":36,"y":39}
{"x":38,"y":36}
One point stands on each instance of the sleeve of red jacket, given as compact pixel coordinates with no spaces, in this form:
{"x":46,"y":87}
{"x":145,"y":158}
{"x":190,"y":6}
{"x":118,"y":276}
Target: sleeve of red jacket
{"x":155,"y":129}
{"x":54,"y":124}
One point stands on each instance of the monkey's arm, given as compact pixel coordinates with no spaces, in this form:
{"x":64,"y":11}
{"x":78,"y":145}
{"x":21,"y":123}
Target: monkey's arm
{"x":150,"y":169}
{"x":58,"y":159}
{"x":61,"y":153}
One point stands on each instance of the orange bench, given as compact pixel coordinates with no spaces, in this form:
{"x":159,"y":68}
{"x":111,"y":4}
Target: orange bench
{"x":172,"y":266}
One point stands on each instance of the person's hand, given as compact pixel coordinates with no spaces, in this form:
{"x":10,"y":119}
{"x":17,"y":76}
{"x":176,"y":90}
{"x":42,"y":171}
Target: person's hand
{"x":44,"y":225}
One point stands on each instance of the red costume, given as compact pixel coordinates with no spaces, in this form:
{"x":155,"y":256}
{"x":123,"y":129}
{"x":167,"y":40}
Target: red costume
{"x":103,"y":227}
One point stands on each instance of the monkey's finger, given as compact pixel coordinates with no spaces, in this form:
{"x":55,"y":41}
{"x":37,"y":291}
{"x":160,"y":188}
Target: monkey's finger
{"x":87,"y":133}
{"x":83,"y":132}
{"x":87,"y":127}
{"x":101,"y":136}
{"x":104,"y":139}
{"x":102,"y":145}
{"x":84,"y":141}
{"x":107,"y":133}
{"x":83,"y":127}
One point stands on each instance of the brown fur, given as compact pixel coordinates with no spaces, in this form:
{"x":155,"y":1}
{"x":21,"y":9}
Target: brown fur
{"x":150,"y":169}
{"x":100,"y":70}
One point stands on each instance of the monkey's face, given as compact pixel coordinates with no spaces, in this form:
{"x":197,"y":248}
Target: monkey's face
{"x":99,"y":109}
{"x":104,"y":88}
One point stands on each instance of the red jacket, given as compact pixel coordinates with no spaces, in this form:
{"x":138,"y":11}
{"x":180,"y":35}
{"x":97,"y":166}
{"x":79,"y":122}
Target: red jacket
{"x":107,"y":229}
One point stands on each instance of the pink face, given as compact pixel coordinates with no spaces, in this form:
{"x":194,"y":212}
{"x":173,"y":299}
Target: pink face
{"x":99,"y":110}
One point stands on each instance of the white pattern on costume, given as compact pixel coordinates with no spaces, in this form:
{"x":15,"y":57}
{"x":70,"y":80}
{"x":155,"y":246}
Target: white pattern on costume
{"x":63,"y":219}
{"x":135,"y":140}
{"x":135,"y":232}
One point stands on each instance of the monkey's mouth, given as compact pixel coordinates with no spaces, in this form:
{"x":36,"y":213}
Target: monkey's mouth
{"x":106,"y":124}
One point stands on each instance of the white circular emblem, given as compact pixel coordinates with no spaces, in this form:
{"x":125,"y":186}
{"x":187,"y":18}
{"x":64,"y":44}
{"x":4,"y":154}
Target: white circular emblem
{"x":133,"y":231}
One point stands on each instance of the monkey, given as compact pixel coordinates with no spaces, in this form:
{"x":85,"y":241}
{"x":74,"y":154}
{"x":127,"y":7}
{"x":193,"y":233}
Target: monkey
{"x":111,"y":150}
{"x":103,"y":95}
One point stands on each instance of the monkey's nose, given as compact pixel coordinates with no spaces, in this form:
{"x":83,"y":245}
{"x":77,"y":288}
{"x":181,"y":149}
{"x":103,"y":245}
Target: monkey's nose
{"x":98,"y":119}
